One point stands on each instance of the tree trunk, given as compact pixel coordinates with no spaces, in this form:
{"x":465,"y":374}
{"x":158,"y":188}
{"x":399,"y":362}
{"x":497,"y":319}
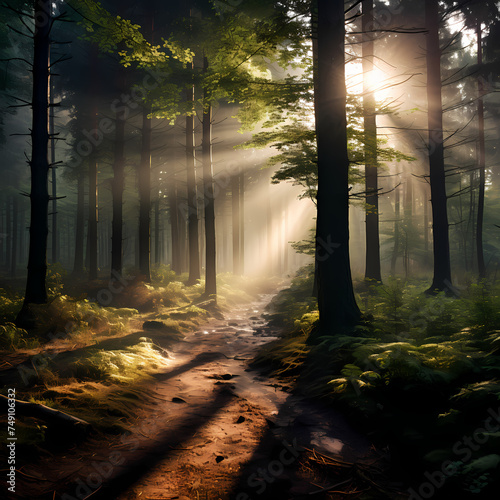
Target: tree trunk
{"x":80,"y":225}
{"x":93,"y":218}
{"x":481,"y":268}
{"x":157,"y":230}
{"x":93,"y":187}
{"x":55,"y":232}
{"x":242,"y":222}
{"x":397,"y":222}
{"x":192,"y":197}
{"x":269,"y":228}
{"x":174,"y":225}
{"x":208,"y":188}
{"x":338,"y":310}
{"x":117,"y":192}
{"x":372,"y":268}
{"x":145,"y":198}
{"x":235,"y":213}
{"x":15,"y":226}
{"x":408,"y":211}
{"x":36,"y":292}
{"x":441,"y":244}
{"x":8,"y":231}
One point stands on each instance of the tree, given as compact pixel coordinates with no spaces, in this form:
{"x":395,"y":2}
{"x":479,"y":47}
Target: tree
{"x":235,"y":212}
{"x":338,"y":310}
{"x":36,"y":292}
{"x":372,"y":269}
{"x":475,"y":13}
{"x":145,"y":197}
{"x":209,"y":198}
{"x":192,"y":195}
{"x":441,"y":244}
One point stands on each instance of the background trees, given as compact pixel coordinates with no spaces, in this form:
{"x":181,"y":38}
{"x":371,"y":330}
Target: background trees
{"x":135,"y":105}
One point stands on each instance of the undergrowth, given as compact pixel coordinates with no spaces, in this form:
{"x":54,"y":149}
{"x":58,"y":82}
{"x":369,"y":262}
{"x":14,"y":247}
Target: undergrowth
{"x":422,"y":374}
{"x":87,"y":358}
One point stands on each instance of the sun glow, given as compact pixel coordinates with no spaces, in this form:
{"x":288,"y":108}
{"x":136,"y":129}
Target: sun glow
{"x":379,"y":80}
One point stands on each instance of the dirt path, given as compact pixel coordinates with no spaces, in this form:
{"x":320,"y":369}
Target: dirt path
{"x":216,"y":430}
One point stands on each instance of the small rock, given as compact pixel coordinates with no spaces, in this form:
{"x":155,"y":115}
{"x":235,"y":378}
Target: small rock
{"x":241,"y":419}
{"x":219,"y":458}
{"x":254,"y":318}
{"x":232,"y":323}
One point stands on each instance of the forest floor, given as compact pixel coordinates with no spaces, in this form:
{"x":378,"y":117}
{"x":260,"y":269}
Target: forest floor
{"x":211,"y":427}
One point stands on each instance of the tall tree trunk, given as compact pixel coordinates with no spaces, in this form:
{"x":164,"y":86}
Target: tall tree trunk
{"x":472,"y":217}
{"x":55,"y":232}
{"x":174,"y":224}
{"x":93,"y":217}
{"x":92,"y":238}
{"x":338,"y":310}
{"x":481,"y":268}
{"x":192,"y":197}
{"x":440,"y":228}
{"x":157,"y":230}
{"x":36,"y":292}
{"x":235,"y":213}
{"x":286,"y":249}
{"x":145,"y":197}
{"x":209,"y":197}
{"x":408,"y":211}
{"x":8,"y":230}
{"x":15,"y":227}
{"x":269,"y":227}
{"x":372,"y":268}
{"x":397,"y":225}
{"x":183,"y":240}
{"x":117,"y":192}
{"x":79,"y":225}
{"x":242,"y":222}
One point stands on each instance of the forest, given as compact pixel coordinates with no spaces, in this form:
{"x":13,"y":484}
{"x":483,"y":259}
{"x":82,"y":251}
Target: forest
{"x":249,"y":249}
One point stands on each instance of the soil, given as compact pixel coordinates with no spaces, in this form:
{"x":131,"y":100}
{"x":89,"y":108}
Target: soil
{"x":213,"y":428}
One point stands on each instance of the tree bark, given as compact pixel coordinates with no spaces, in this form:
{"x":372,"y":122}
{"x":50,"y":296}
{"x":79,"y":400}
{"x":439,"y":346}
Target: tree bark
{"x":242,"y":222}
{"x":145,"y":198}
{"x":208,"y":188}
{"x":235,"y":213}
{"x":192,"y":197}
{"x":174,"y":225}
{"x":372,"y":268}
{"x":15,"y":227}
{"x":481,"y":267}
{"x":93,"y":186}
{"x":157,"y":230}
{"x":8,"y":231}
{"x":55,"y":232}
{"x":338,"y":310}
{"x":441,"y":244}
{"x":397,"y":223}
{"x":79,"y":226}
{"x":117,"y":192}
{"x":36,"y":292}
